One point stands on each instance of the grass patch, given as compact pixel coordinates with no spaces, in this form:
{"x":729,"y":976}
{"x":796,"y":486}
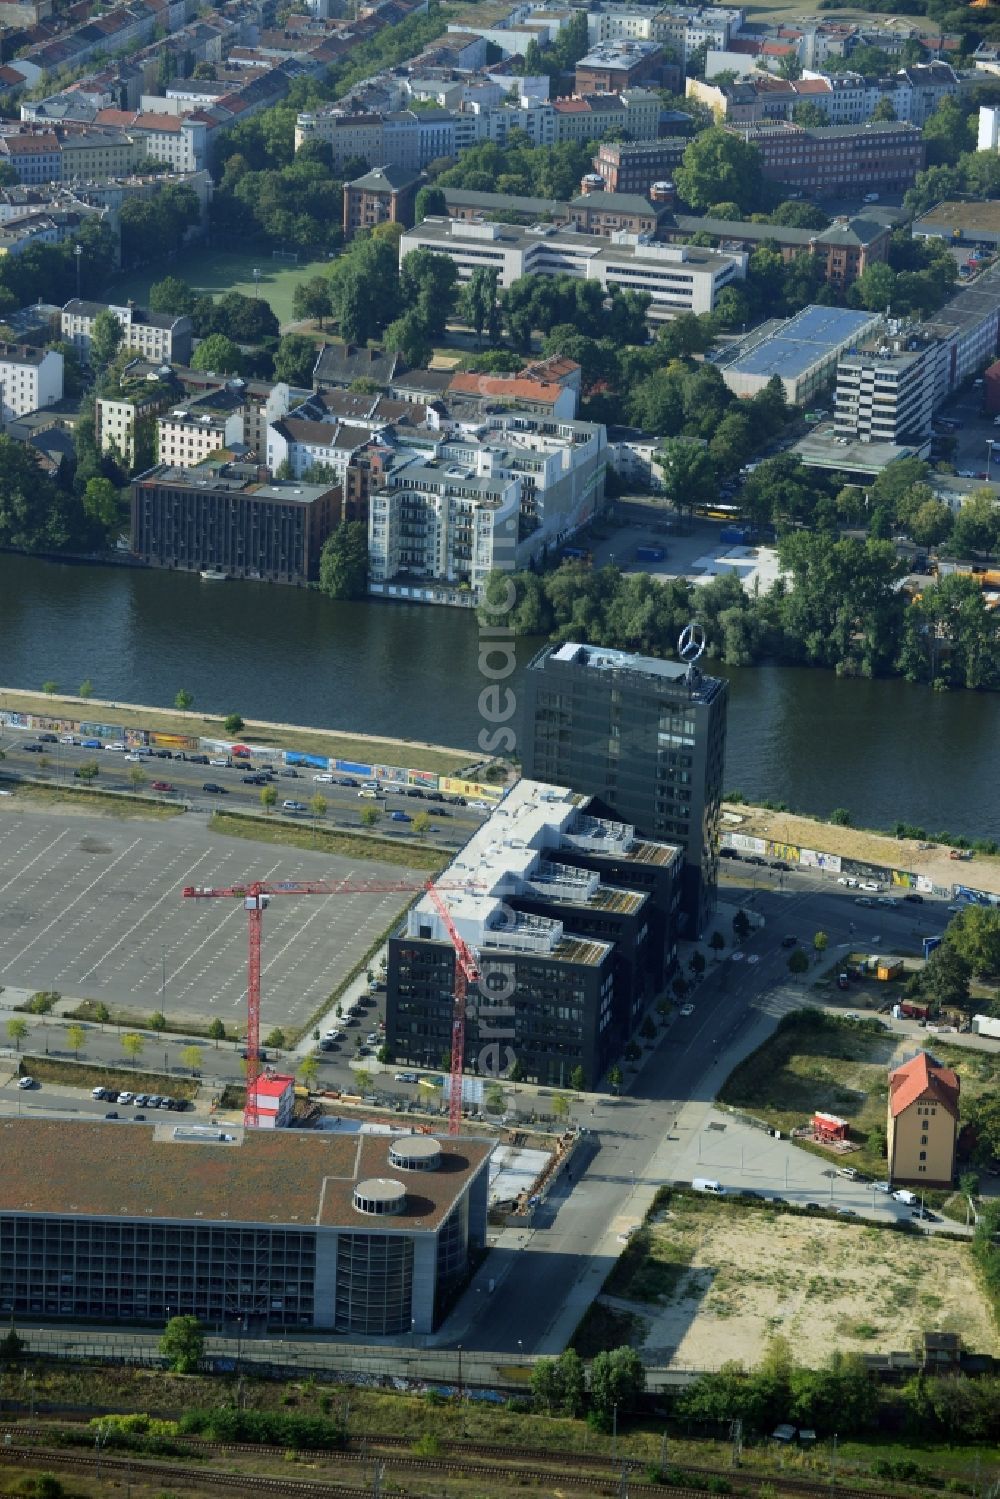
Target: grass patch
{"x":95,"y":799}
{"x":90,"y":1075}
{"x":121,"y":1016}
{"x":652,"y":1267}
{"x":368,"y":750}
{"x":605,"y":1327}
{"x":328,"y":841}
{"x":215,"y":272}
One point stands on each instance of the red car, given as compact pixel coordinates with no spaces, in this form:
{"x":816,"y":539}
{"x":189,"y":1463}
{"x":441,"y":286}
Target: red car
{"x":162,"y":786}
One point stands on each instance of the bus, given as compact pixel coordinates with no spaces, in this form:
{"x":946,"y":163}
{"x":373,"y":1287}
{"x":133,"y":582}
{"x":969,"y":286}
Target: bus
{"x":716,"y":510}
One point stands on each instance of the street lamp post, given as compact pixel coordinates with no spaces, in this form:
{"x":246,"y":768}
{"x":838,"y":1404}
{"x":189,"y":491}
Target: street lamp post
{"x":78,"y":257}
{"x":257,"y":273}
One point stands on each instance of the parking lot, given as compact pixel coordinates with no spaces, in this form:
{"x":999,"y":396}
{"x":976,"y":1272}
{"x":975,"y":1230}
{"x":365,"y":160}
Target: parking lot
{"x":93,"y":908}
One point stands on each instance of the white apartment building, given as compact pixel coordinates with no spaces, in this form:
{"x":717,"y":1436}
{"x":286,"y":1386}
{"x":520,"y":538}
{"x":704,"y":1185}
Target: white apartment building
{"x":682,"y":28}
{"x":989,"y":128}
{"x":434,"y":526}
{"x":29,"y":379}
{"x":159,"y":337}
{"x":886,"y":390}
{"x":303,"y":444}
{"x":678,"y":278}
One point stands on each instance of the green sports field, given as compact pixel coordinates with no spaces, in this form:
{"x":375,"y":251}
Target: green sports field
{"x":215,"y":272}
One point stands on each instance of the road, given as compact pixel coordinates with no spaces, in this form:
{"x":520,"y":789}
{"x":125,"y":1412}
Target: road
{"x":449,"y":824}
{"x":544,"y":1279}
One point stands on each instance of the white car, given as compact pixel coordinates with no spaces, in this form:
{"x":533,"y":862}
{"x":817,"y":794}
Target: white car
{"x":118,"y":749}
{"x":365,"y":794}
{"x":26,"y":1082}
{"x":6,"y":793}
{"x":736,"y":957}
{"x":753,"y":957}
{"x":125,"y":1097}
{"x":220,"y":761}
{"x":325,"y":777}
{"x":882,"y":1187}
{"x":479,"y":806}
{"x":687,"y":1009}
{"x":405,"y":1077}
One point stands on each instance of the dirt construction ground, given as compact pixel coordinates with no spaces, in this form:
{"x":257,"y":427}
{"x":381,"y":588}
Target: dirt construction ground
{"x":981,"y":872}
{"x":720,"y":1280}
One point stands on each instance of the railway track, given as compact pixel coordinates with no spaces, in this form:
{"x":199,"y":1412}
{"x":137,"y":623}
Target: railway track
{"x":489,"y":1461}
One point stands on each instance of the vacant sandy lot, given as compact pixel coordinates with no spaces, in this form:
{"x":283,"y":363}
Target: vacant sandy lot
{"x":725,"y":1279}
{"x":856,"y":843}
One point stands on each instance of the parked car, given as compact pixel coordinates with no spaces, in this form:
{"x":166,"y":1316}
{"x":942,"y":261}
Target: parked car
{"x":214,"y":789}
{"x":125,"y":1097}
{"x":111,"y":1114}
{"x":863,"y":900}
{"x":33,"y":749}
{"x":162,"y":786}
{"x":406,"y":1077}
{"x":98,"y":1093}
{"x":325,"y":777}
{"x":914,"y":898}
{"x":789,"y":941}
{"x":400,"y":817}
{"x":26,"y":1082}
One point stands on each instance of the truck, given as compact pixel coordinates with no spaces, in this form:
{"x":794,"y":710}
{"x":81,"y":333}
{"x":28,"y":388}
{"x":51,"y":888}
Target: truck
{"x":986,"y":1025}
{"x":908,"y":1010}
{"x":889,"y":969}
{"x":650,"y":554}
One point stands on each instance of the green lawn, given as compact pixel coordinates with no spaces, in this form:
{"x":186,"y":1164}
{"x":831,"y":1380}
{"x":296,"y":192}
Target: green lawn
{"x":218,"y":271}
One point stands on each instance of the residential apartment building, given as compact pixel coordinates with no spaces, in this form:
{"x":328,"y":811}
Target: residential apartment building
{"x":922,"y":1124}
{"x":193,"y":431}
{"x":260,"y":1228}
{"x":232,"y":518}
{"x":573,"y":923}
{"x":437,"y":529}
{"x":29,"y":379}
{"x":181,"y":141}
{"x":157,"y":336}
{"x":304,"y":444}
{"x":125,"y":424}
{"x":645,"y":737}
{"x":969,"y":327}
{"x":588,"y":116}
{"x":684,"y":29}
{"x":678,"y":278}
{"x":827,"y":159}
{"x":913,"y":93}
{"x":886,"y":389}
{"x":385,"y":195}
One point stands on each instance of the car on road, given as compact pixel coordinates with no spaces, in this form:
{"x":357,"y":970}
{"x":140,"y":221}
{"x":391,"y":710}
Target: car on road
{"x":851,"y":1172}
{"x":415,"y":791}
{"x":222,"y":762}
{"x":214,"y":789}
{"x":365,"y":1050}
{"x":162,"y":786}
{"x":400,"y":817}
{"x":111,"y":1114}
{"x":90,"y":744}
{"x":729,"y":853}
{"x":863,"y":900}
{"x":914,"y":898}
{"x":115,"y":749}
{"x":406,"y":1077}
{"x":68,"y":739}
{"x":138,"y":1119}
{"x":686,"y":1010}
{"x":324,"y":776}
{"x":47,"y":739}
{"x":293,"y":807}
{"x":367,"y":794}
{"x":26,"y":1082}
{"x":289,"y":774}
{"x":845,"y":879}
{"x":925,"y":1215}
{"x":756,"y":859}
{"x":327,"y":1045}
{"x":440,"y":812}
{"x":846,"y":1213}
{"x":33,"y":749}
{"x":254,"y":780}
{"x":887,"y":900}
{"x":789,"y":941}
{"x":882,"y":1187}
{"x":779,"y":864}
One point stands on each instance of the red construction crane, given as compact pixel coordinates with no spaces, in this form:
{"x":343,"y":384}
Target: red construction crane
{"x":256,"y":896}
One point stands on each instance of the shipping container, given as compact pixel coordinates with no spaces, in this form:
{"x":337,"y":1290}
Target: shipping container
{"x":986,"y":1025}
{"x":649,"y":554}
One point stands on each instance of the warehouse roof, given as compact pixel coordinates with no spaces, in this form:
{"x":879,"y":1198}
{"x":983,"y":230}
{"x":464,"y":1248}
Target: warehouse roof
{"x":153,"y":1172}
{"x":803,"y":341}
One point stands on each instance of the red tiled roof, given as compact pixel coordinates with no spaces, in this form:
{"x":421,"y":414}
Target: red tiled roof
{"x":571,"y":106}
{"x":811,"y":86}
{"x":923,"y":1079}
{"x":503,"y":386}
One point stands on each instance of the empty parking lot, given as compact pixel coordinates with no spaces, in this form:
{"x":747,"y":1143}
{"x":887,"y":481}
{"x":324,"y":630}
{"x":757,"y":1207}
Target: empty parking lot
{"x":92,"y":907}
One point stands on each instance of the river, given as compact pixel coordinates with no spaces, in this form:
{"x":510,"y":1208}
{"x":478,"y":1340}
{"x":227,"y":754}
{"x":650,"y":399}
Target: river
{"x":884,"y":750}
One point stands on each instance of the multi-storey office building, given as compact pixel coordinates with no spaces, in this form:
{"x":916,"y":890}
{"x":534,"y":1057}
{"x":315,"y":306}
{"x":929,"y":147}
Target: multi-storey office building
{"x":231,"y":518}
{"x":678,"y":278}
{"x":646,"y":738}
{"x":273,"y":1228}
{"x":633,"y":166}
{"x":886,"y":391}
{"x":820,"y":159}
{"x":572,"y":919}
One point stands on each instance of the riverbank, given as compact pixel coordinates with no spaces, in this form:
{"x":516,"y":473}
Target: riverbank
{"x":863,"y":845}
{"x":368,"y":748}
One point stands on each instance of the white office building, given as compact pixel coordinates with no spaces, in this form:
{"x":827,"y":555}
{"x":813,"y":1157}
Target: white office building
{"x":886,"y":389}
{"x":29,"y":379}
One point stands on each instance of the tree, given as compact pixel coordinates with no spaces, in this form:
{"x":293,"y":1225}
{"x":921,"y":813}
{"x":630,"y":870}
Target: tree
{"x":106,"y":336}
{"x":798,"y":963}
{"x":183,"y":1344}
{"x":137,"y":776}
{"x":559,"y":1385}
{"x":421,"y":824}
{"x":578,"y":1079}
{"x":717,"y":943}
{"x":974,"y":934}
{"x":17,"y":1029}
{"x":615,"y":1077}
{"x":874,"y":288}
{"x":86,"y":688}
{"x":696,"y":963}
{"x":75,"y":1037}
{"x":295,"y":360}
{"x":50,"y":688}
{"x":679,"y":987}
{"x":132,"y":1045}
{"x":719,"y":167}
{"x":173,"y":296}
{"x":311,"y":299}
{"x":427,"y":285}
{"x":977,"y":525}
{"x":944,"y":980}
{"x":220,"y":355}
{"x":308,"y":1068}
{"x":409,"y":336}
{"x":883,"y":110}
{"x":88,"y":771}
{"x":191,"y":1058}
{"x":268,"y":798}
{"x":362,"y":1079}
{"x":364,"y":289}
{"x":233,"y":723}
{"x":688,"y":475}
{"x":478,"y":302}
{"x":184,"y":700}
{"x":157,"y":1021}
{"x":370,"y":816}
{"x":101,"y":506}
{"x":617,"y":1380}
{"x":560,"y":1106}
{"x":343,"y":563}
{"x":429,"y":203}
{"x":318,"y":805}
{"x":820,"y":944}
{"x":217,"y":1031}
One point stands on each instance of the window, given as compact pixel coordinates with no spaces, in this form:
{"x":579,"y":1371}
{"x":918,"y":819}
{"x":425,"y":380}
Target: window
{"x":922,"y":1156}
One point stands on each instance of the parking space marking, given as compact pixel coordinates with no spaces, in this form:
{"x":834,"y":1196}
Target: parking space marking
{"x":75,"y":901}
{"x":22,"y":871}
{"x":167,"y":895}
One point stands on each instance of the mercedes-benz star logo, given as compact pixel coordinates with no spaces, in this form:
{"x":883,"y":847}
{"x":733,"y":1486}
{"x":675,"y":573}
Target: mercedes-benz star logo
{"x":691,"y":642}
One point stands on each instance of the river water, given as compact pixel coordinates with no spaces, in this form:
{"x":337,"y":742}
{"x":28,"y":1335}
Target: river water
{"x":885,"y":750}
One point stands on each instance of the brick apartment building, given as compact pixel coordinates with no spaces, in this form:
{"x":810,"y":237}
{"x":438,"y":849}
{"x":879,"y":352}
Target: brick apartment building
{"x":633,"y":166}
{"x":385,"y":195}
{"x":614,"y":66}
{"x":882,"y":155}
